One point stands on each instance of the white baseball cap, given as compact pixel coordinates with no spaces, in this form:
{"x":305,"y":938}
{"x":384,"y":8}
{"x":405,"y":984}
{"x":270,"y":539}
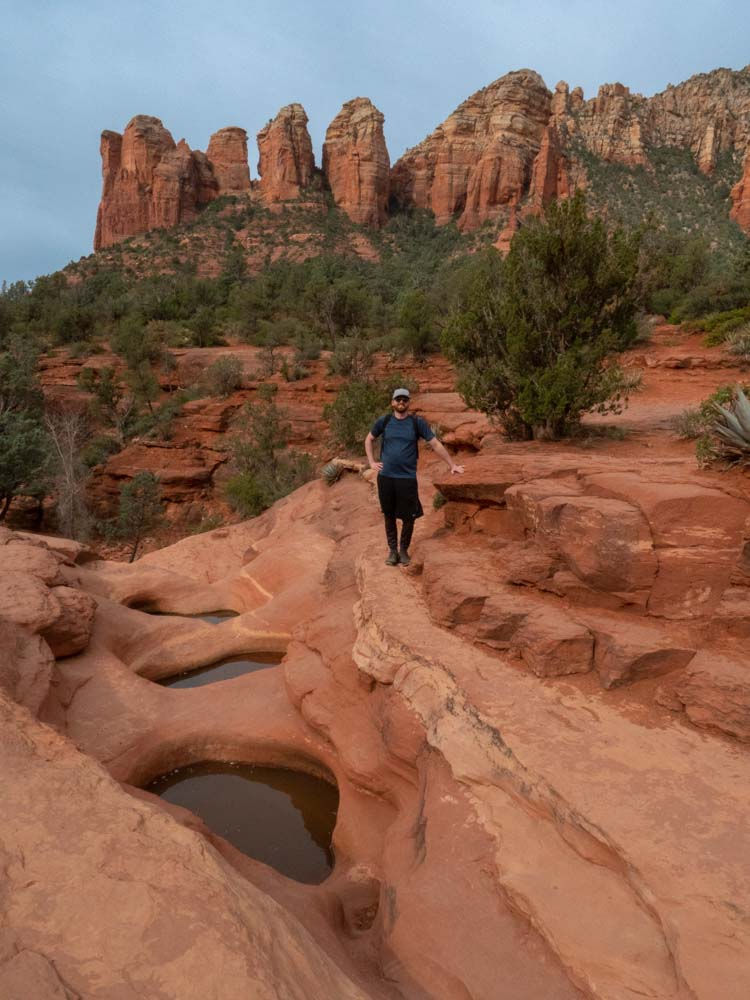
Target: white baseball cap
{"x":401,"y":392}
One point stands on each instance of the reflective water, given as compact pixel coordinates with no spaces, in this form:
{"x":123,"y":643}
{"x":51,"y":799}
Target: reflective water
{"x":220,"y":671}
{"x":280,"y":817}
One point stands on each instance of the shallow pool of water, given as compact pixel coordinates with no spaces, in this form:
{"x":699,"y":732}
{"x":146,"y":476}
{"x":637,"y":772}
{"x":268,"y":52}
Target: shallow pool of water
{"x":280,"y":817}
{"x":219,"y":671}
{"x":213,"y":617}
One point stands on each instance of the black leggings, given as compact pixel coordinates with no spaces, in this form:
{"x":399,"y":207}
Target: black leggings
{"x":391,"y":531}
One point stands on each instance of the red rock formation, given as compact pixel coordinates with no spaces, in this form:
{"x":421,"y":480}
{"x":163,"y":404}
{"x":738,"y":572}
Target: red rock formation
{"x":356,"y":162}
{"x":550,"y":177}
{"x":480,"y":158}
{"x":286,"y":161}
{"x":612,"y":125}
{"x":227,"y":154}
{"x":741,"y":199}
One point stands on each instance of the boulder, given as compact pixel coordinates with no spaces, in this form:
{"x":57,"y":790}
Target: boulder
{"x":71,"y":630}
{"x":716,"y":693}
{"x":627,"y":651}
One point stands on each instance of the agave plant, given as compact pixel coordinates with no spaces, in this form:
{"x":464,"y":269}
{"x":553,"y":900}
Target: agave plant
{"x":332,"y":472}
{"x":732,"y":428}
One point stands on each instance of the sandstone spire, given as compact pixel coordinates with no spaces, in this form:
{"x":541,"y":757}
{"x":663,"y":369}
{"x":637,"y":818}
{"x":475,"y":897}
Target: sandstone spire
{"x":356,"y":162}
{"x":227,"y":154}
{"x":286,"y":161}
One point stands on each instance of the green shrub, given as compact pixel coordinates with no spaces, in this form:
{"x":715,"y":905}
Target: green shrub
{"x":738,"y":342}
{"x":266,"y":469}
{"x":731,"y":428}
{"x":224,"y":376}
{"x":689,"y":424}
{"x":535,"y":337}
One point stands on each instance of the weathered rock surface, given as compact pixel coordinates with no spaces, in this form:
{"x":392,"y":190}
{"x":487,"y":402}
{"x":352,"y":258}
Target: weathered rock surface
{"x":107,"y":895}
{"x":356,"y":162}
{"x":227,"y":154}
{"x":715,"y":693}
{"x":286,"y":161}
{"x":741,"y":199}
{"x":149,"y":182}
{"x":479,"y":160}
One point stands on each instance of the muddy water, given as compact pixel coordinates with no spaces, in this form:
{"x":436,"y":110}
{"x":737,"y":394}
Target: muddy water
{"x":212,"y":618}
{"x":220,"y":671}
{"x":280,"y":817}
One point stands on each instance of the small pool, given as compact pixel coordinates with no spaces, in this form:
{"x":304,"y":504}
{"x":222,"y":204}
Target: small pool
{"x":281,"y":817}
{"x":212,"y":617}
{"x":220,"y":671}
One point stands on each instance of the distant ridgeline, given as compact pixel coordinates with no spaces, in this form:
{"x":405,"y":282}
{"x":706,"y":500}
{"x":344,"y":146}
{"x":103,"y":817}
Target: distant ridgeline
{"x":681,"y":157}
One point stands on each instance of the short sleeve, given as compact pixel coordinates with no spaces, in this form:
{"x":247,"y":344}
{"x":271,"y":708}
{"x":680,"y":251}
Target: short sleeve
{"x":424,"y":430}
{"x":377,"y":428}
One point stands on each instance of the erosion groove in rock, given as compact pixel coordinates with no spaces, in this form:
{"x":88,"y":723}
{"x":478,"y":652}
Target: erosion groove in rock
{"x":512,"y":724}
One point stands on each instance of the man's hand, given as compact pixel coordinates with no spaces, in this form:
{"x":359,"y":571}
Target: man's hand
{"x":456,"y":470}
{"x":377,"y":466}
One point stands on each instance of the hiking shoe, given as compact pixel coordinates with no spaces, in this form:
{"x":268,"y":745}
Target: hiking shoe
{"x":403,"y":557}
{"x":392,"y":559}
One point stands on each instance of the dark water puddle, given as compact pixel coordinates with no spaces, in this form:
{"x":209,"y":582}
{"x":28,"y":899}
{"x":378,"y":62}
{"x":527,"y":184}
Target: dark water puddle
{"x":212,"y":618}
{"x":280,"y":817}
{"x":220,"y":671}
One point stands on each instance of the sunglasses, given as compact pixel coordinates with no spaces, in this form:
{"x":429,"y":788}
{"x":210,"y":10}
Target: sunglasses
{"x":401,"y":399}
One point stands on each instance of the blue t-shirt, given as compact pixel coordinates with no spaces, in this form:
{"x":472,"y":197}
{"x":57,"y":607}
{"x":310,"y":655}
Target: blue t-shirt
{"x":399,"y":454}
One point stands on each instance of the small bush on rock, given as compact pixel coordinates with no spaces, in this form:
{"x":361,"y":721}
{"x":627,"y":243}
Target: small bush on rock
{"x":224,"y":376}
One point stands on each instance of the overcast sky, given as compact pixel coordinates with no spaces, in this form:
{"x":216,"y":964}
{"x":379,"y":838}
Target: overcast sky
{"x":71,"y":68}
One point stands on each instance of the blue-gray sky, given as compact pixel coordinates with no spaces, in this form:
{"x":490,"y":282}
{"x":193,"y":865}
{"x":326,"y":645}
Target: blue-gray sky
{"x":71,"y":68}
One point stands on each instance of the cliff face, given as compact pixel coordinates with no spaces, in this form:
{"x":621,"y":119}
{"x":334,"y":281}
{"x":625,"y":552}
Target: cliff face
{"x":148,"y":182}
{"x":480,"y":159}
{"x":356,"y":162}
{"x":504,"y":153}
{"x":515,"y":143}
{"x":286,"y":162}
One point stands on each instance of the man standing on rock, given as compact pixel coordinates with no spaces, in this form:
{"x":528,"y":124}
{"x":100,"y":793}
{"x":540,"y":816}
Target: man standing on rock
{"x":397,"y":471}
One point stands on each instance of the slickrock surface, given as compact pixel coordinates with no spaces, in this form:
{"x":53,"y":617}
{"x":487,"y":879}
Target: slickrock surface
{"x":539,"y":732}
{"x":286,"y":161}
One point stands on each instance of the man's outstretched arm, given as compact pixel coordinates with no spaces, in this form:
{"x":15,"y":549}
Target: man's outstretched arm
{"x":377,"y":466}
{"x":441,"y":450}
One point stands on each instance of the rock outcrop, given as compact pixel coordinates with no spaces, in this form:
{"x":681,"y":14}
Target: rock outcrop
{"x":356,"y":162}
{"x":227,"y":154}
{"x":148,"y":182}
{"x":479,"y":160}
{"x":286,"y":162}
{"x":741,"y":199}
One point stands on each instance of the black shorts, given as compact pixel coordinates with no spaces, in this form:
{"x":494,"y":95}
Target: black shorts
{"x":399,"y":497}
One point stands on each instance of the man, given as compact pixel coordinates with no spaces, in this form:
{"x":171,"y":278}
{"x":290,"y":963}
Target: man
{"x":397,"y":471}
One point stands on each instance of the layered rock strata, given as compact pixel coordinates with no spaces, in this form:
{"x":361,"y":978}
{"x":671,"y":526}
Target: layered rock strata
{"x":356,"y":162}
{"x":286,"y":161}
{"x":227,"y":154}
{"x":741,"y":199}
{"x":148,"y":182}
{"x":465,"y":838}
